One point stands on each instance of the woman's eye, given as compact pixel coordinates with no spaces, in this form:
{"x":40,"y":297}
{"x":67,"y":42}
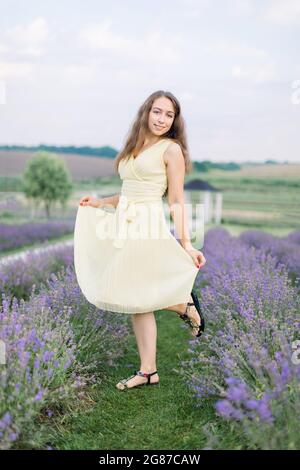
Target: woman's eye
{"x":158,"y":112}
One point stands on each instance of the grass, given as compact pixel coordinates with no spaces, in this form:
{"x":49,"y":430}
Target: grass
{"x":164,"y":416}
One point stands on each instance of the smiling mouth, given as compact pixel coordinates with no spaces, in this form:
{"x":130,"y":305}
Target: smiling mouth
{"x":158,"y":127}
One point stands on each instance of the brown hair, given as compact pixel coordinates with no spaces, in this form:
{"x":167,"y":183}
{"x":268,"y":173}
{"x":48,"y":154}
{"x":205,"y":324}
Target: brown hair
{"x":139,"y":129}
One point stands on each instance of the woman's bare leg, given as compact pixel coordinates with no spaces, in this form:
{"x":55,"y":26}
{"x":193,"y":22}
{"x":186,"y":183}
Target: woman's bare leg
{"x":180,"y":309}
{"x":177,"y":308}
{"x":145,"y":329}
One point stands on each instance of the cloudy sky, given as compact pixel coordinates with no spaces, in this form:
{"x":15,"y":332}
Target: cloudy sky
{"x":75,"y":73}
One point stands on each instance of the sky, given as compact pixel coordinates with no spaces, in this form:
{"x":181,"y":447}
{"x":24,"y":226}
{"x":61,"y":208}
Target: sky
{"x":75,"y":73}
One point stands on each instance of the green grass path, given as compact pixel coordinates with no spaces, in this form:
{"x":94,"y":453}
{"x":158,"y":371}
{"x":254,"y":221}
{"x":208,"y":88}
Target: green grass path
{"x":160,"y":417}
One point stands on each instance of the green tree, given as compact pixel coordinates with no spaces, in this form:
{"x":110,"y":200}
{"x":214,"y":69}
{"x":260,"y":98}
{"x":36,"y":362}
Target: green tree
{"x":46,"y":180}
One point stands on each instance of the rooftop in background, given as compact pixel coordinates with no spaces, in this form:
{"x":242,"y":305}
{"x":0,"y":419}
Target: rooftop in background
{"x":200,"y":185}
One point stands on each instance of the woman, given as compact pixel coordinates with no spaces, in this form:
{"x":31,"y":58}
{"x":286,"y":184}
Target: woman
{"x":120,"y":265}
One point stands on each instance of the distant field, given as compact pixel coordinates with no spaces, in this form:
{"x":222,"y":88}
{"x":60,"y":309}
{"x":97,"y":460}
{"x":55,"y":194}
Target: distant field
{"x":260,"y":196}
{"x":13,"y":163}
{"x":256,"y":196}
{"x":261,"y":171}
{"x":255,"y":178}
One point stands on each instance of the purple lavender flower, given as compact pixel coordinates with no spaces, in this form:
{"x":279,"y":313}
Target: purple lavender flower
{"x":14,"y":236}
{"x":252,"y":305}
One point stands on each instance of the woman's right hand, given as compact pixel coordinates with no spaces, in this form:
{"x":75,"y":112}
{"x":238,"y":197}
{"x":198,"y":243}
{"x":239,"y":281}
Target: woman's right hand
{"x":89,"y":201}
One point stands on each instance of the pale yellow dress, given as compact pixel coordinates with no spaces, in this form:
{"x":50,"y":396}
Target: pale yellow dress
{"x":127,"y":260}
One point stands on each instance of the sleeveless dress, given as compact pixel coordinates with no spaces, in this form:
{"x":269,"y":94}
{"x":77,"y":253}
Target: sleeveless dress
{"x":127,"y":260}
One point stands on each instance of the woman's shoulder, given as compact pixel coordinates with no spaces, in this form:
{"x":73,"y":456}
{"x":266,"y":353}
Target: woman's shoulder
{"x":172,"y":147}
{"x":172,"y":143}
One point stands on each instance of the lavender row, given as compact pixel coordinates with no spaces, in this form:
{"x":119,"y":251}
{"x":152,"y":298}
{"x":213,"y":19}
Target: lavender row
{"x":248,"y":360}
{"x":285,"y":250}
{"x":54,"y":344}
{"x":15,"y":236}
{"x":18,"y":276}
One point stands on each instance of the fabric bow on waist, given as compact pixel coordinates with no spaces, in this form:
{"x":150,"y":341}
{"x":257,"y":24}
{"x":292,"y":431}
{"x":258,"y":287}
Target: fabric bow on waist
{"x":127,"y":214}
{"x":127,"y":207}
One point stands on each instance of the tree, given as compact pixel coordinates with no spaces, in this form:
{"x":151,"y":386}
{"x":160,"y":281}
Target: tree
{"x":46,"y":180}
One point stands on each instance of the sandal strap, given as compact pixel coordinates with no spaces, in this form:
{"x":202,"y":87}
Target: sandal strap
{"x":145,"y":374}
{"x":187,"y":308}
{"x":187,"y":319}
{"x":140,"y":373}
{"x":123,"y":381}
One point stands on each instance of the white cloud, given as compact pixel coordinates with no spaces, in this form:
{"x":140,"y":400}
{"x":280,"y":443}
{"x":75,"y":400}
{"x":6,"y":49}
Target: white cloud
{"x":152,"y":47}
{"x":192,"y":9}
{"x":77,"y":74}
{"x":213,"y":55}
{"x":186,"y":96}
{"x":100,"y":37}
{"x":26,"y":40}
{"x":34,"y":33}
{"x":234,"y":49}
{"x":10,"y":70}
{"x":283,"y":12}
{"x":32,"y":51}
{"x":256,"y":74}
{"x":242,"y":7}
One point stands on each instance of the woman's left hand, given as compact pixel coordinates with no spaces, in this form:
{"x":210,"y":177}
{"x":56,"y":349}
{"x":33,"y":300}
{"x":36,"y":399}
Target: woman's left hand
{"x":197,"y":256}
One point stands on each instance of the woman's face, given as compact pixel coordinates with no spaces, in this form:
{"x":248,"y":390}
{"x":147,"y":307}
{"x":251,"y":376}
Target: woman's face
{"x":161,"y":116}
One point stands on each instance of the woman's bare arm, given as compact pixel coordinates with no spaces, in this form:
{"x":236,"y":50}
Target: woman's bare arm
{"x":175,"y":173}
{"x":109,"y":201}
{"x":93,"y":202}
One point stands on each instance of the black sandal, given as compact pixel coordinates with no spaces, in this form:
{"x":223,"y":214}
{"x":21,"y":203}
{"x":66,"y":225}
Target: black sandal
{"x":188,"y":320}
{"x":199,"y":310}
{"x":143,"y":374}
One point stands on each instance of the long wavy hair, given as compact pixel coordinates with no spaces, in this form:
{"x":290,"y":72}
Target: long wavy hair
{"x":139,"y":130}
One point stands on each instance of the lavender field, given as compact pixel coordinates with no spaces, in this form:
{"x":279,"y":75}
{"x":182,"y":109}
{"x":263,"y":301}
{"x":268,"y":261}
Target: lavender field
{"x":14,"y":236}
{"x":58,"y":346}
{"x":249,"y":359}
